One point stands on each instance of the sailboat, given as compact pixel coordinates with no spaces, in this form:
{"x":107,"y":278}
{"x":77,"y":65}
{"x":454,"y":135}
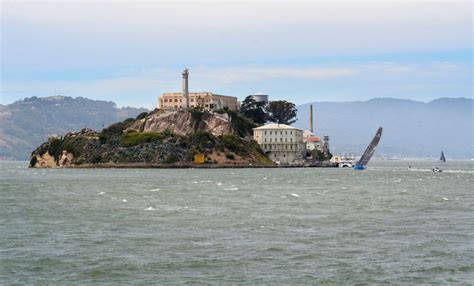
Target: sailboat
{"x":442,"y":159}
{"x":369,"y":151}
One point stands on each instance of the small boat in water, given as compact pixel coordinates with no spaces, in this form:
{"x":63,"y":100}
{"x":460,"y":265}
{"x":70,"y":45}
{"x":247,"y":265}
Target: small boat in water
{"x":369,"y":151}
{"x":436,"y":170}
{"x":442,"y":159}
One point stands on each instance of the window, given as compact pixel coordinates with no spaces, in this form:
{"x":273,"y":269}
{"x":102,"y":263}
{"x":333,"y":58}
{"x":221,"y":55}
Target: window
{"x":281,"y":132}
{"x":265,"y":132}
{"x":270,"y":132}
{"x":166,"y":100}
{"x":265,"y":140}
{"x":270,"y":139}
{"x":192,"y":99}
{"x":286,"y":132}
{"x":281,"y":139}
{"x":291,"y":132}
{"x":175,"y":100}
{"x":291,"y":139}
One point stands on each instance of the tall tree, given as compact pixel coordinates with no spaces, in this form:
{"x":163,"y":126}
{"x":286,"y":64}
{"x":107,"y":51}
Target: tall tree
{"x":253,"y":110}
{"x":281,"y":111}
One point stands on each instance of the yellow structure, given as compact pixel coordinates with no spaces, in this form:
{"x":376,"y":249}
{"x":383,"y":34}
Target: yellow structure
{"x":206,"y":100}
{"x":199,"y":159}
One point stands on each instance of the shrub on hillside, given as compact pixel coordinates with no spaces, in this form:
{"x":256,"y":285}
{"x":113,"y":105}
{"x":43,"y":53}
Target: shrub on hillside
{"x":137,"y":138}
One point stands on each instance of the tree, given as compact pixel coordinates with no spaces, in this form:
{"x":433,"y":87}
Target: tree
{"x":282,"y":112}
{"x":253,"y":110}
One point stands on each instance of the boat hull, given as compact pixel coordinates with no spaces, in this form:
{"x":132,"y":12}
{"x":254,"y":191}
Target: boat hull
{"x":359,"y":167}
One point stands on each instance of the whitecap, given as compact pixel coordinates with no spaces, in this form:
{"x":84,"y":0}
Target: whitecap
{"x":124,"y":200}
{"x":154,"y":190}
{"x":445,"y":199}
{"x":219,"y":183}
{"x":149,"y":209}
{"x":295,"y":195}
{"x":101,"y":193}
{"x":231,"y":189}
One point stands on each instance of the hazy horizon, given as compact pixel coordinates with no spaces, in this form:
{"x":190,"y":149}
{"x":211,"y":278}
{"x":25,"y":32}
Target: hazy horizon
{"x":130,"y":53}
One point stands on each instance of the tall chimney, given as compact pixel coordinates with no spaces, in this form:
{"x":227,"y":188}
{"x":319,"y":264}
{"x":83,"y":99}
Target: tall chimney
{"x":311,"y":118}
{"x":185,"y":101}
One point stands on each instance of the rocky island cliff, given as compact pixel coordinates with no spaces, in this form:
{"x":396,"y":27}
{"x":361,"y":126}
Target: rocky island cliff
{"x":160,"y":138}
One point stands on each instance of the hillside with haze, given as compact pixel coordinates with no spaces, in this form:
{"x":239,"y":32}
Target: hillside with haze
{"x":411,"y":128}
{"x":27,"y":123}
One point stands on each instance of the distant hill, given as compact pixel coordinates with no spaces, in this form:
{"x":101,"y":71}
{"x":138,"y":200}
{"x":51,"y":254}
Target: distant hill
{"x":25,"y":124}
{"x":411,"y":128}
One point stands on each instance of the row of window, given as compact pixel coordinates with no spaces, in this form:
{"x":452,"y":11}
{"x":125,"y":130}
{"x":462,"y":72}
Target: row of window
{"x":276,"y":132}
{"x":277,"y":147}
{"x":276,"y":140}
{"x":180,"y":100}
{"x":205,"y":105}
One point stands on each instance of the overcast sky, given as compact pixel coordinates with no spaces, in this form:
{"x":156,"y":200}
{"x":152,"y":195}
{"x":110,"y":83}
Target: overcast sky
{"x":131,"y":52}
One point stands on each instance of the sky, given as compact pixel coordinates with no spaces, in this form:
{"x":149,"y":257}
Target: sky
{"x":130,"y":52}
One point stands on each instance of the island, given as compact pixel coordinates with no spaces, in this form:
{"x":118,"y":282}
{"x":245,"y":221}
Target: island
{"x":161,"y":138}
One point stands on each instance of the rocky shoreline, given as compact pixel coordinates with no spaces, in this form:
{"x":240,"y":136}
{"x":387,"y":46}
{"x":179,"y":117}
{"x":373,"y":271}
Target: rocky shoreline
{"x":193,"y":166}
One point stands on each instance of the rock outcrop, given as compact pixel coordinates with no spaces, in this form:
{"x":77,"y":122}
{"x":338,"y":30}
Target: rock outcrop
{"x":184,"y":122}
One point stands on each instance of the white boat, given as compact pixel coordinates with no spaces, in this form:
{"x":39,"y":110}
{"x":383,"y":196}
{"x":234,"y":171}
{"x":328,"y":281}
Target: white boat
{"x":436,"y":170}
{"x":346,"y":163}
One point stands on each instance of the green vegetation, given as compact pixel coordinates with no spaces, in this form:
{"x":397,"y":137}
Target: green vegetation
{"x":282,"y":112}
{"x":233,"y":143}
{"x":137,"y":138}
{"x":142,"y":115}
{"x":202,"y":141}
{"x":74,"y":145}
{"x":55,"y":148}
{"x":241,"y":125}
{"x":253,"y":110}
{"x":197,"y":114}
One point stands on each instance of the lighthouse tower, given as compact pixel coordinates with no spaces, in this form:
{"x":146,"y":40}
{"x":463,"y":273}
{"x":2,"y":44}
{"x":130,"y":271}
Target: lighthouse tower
{"x":185,"y":101}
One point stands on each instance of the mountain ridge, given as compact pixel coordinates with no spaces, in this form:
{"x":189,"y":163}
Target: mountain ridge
{"x":411,"y":128}
{"x":26,"y":123}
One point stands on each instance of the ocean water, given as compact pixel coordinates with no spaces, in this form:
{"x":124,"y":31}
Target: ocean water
{"x":388,"y":224}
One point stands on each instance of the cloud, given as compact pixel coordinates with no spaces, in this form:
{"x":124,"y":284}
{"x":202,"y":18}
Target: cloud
{"x":126,"y":33}
{"x":140,"y":87}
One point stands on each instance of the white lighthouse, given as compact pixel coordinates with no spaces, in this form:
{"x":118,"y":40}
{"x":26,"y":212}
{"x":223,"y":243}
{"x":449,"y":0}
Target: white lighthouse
{"x":185,"y":101}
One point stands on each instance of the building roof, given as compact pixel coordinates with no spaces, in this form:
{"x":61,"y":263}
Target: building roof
{"x":312,"y":139}
{"x":276,"y":126}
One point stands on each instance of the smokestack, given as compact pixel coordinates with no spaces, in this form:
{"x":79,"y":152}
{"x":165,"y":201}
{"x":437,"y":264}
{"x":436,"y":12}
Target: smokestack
{"x":185,"y":103}
{"x":311,"y":118}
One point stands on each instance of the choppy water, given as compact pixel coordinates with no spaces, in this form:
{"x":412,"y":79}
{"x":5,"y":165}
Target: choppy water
{"x":242,"y":226}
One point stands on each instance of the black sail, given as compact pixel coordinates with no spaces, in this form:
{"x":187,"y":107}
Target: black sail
{"x":370,"y":149}
{"x":442,"y":158}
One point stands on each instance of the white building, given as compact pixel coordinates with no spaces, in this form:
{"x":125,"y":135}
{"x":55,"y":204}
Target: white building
{"x":312,"y":141}
{"x":283,"y":143}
